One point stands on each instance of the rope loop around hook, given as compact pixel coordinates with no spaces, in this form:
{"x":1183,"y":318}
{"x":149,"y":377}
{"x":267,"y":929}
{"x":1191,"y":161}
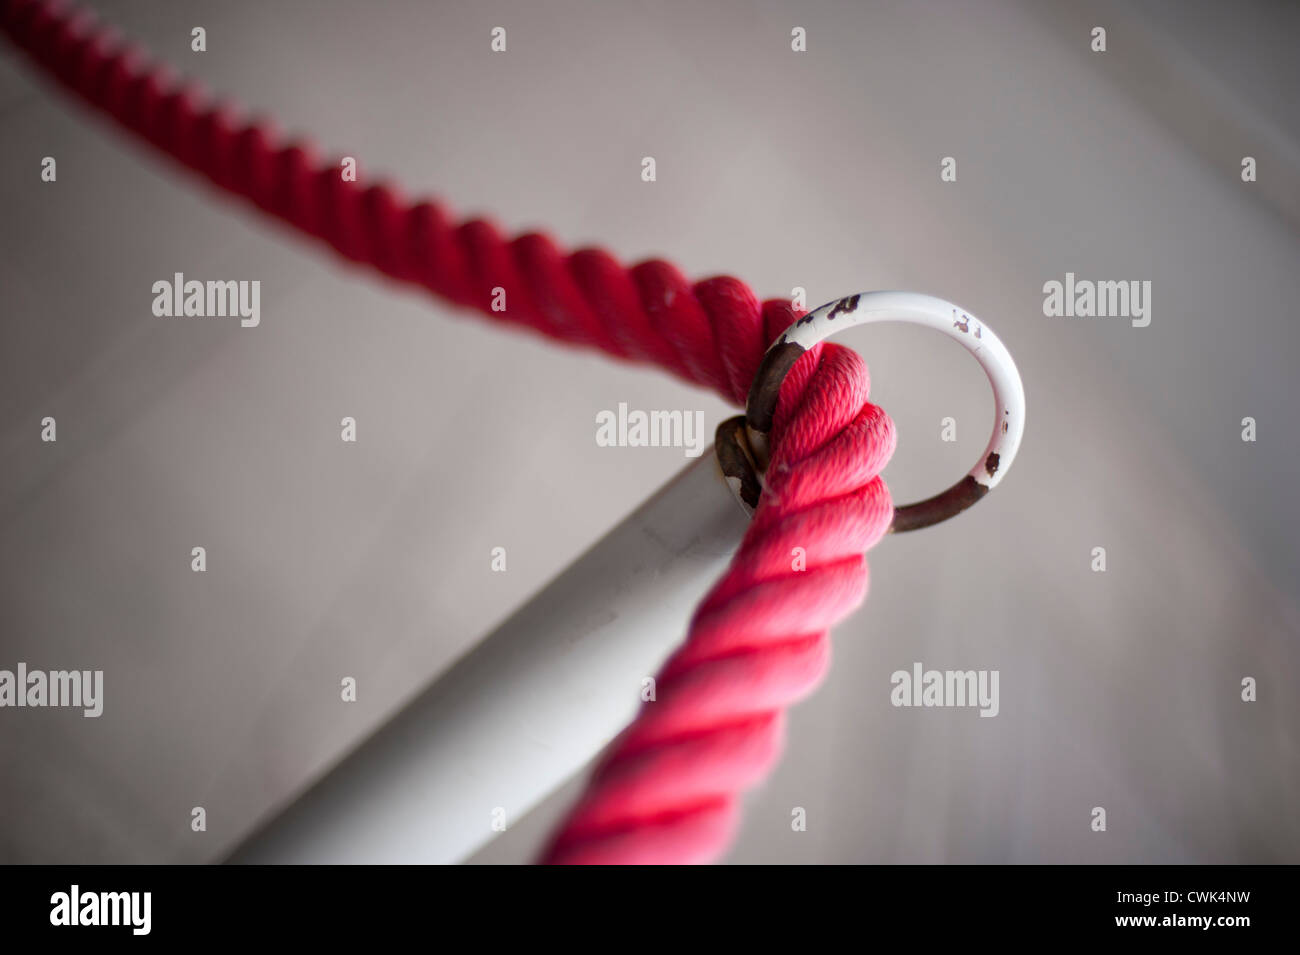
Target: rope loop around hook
{"x":742,"y":442}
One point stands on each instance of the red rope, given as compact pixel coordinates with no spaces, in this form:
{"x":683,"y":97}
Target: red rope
{"x":667,"y":790}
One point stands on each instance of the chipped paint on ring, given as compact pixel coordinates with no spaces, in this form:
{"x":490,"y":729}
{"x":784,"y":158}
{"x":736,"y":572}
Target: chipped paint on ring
{"x":915,"y":309}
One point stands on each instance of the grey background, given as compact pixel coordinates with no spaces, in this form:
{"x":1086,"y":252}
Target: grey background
{"x":818,"y":170}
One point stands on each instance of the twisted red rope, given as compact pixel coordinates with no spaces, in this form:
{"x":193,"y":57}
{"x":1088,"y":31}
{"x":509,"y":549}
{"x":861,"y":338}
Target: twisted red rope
{"x":667,"y":790}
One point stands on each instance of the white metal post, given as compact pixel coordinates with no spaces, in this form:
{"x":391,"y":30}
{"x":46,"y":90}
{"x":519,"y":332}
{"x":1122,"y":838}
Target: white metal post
{"x":530,"y":705}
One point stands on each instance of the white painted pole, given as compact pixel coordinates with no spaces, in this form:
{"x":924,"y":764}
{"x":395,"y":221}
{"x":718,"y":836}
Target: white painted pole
{"x":530,"y":705}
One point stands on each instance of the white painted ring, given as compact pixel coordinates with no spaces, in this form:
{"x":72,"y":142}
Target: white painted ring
{"x":911,"y":308}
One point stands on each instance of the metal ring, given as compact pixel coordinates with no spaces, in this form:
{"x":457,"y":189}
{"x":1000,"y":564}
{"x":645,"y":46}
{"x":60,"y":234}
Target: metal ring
{"x":742,"y":442}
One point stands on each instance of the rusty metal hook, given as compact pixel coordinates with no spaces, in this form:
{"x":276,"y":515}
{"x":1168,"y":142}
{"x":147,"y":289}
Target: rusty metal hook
{"x":742,"y":442}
